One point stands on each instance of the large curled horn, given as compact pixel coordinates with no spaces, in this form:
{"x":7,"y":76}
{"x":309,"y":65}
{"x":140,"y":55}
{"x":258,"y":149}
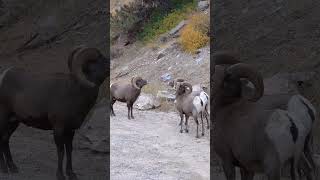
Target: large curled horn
{"x":185,"y":84}
{"x":225,"y":58}
{"x":70,"y":57}
{"x":134,"y":82}
{"x":242,"y":70}
{"x":179,"y":80}
{"x":80,"y":57}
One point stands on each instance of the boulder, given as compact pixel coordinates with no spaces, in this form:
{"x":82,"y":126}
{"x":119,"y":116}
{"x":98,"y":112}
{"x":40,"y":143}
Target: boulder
{"x":146,"y":102}
{"x":203,"y":5}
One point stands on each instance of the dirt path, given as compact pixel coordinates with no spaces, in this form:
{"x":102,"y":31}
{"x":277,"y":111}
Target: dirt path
{"x":151,"y":147}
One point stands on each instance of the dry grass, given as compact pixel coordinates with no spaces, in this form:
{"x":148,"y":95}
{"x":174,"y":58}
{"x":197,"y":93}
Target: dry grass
{"x":118,"y":3}
{"x":194,"y":34}
{"x":153,"y":88}
{"x":166,"y":106}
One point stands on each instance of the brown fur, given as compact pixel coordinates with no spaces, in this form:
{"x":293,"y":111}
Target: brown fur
{"x":57,"y":102}
{"x":126,"y":92}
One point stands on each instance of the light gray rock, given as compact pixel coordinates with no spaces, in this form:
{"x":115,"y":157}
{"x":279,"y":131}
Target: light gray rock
{"x":203,"y":5}
{"x":166,"y":95}
{"x":175,"y":30}
{"x":146,"y":102}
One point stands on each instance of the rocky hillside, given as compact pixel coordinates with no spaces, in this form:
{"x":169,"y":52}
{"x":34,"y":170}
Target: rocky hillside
{"x":161,"y":60}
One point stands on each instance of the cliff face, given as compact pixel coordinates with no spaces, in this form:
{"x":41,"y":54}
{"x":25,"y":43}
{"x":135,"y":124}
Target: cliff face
{"x":276,"y":35}
{"x":38,"y":35}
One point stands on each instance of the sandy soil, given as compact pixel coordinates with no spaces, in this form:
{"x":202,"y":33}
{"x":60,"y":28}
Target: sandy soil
{"x":151,"y":147}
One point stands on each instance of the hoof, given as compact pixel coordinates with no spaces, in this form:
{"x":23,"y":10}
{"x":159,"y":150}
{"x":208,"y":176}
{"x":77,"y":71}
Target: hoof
{"x":197,"y":136}
{"x":181,"y":131}
{"x":202,"y":134}
{"x":132,"y":117}
{"x":186,"y":130}
{"x":129,"y":118}
{"x":13,"y":168}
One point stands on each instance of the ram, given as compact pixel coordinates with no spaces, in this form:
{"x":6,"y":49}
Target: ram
{"x":200,"y":104}
{"x":126,"y":92}
{"x":256,"y":133}
{"x":58,"y":102}
{"x":185,"y":107}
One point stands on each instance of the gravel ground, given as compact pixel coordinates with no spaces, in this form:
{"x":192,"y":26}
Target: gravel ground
{"x":151,"y":147}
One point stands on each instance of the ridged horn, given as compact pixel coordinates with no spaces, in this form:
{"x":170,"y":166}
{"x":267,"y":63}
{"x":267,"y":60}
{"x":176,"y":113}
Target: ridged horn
{"x":134,"y":82}
{"x":225,"y":58}
{"x":185,"y":84}
{"x":80,"y":57}
{"x":242,"y":70}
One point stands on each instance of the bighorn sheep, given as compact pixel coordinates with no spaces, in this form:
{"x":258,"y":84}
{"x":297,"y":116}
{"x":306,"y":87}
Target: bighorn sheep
{"x":184,"y":105}
{"x":126,"y":92}
{"x":57,"y":102}
{"x":200,"y":103}
{"x":252,"y":132}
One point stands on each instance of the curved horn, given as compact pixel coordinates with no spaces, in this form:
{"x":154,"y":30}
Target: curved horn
{"x":225,"y":58}
{"x":242,"y":70}
{"x":71,"y":55}
{"x":134,"y":82}
{"x":79,"y":59}
{"x":185,"y":84}
{"x":177,"y":81}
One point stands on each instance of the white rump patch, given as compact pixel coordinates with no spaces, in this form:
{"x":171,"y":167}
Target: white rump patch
{"x":297,"y":106}
{"x":278,"y":130}
{"x":197,"y":104}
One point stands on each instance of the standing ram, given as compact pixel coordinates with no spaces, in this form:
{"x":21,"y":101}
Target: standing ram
{"x":254,"y":132}
{"x":126,"y":92}
{"x":58,"y":102}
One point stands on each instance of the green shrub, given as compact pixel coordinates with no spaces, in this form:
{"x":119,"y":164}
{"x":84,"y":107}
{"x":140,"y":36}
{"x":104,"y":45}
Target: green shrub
{"x":162,"y":21}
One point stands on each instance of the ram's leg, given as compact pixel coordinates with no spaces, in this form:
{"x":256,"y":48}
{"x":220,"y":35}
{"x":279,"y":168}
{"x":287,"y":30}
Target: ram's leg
{"x":272,"y":166}
{"x":293,"y":169}
{"x":308,"y":150}
{"x":68,"y":145}
{"x":7,"y":153}
{"x":197,"y":122}
{"x":201,"y":114}
{"x":246,"y":175}
{"x":181,"y":122}
{"x":3,"y":128}
{"x":306,"y":167}
{"x":229,"y":170}
{"x":131,"y":107}
{"x":186,"y":124}
{"x":207,"y":117}
{"x":111,"y":107}
{"x":59,"y":141}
